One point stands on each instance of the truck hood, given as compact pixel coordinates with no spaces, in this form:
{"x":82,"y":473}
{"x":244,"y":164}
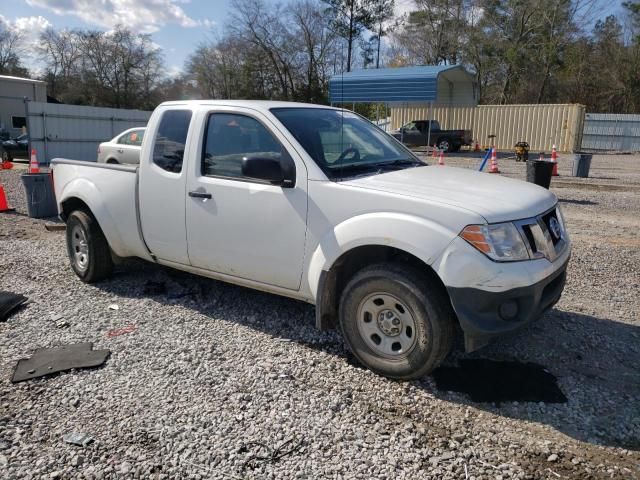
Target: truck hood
{"x":496,"y":198}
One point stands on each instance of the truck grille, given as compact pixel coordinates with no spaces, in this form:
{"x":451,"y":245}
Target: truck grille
{"x":545,"y":235}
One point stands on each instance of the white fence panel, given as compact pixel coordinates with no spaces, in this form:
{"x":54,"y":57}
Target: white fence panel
{"x":611,"y":132}
{"x":74,"y":132}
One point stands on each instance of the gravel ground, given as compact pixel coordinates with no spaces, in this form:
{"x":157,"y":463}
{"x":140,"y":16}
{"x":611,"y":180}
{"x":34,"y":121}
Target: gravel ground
{"x":216,"y":379}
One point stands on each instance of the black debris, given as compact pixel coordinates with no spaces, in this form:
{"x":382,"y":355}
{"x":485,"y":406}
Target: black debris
{"x":55,"y":227}
{"x":79,"y":439}
{"x":47,"y":361}
{"x":264,"y":453}
{"x":9,"y":301}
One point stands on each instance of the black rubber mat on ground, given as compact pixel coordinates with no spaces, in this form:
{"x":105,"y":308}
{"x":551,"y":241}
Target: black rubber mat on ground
{"x":491,"y":381}
{"x":47,"y":361}
{"x":9,"y":301}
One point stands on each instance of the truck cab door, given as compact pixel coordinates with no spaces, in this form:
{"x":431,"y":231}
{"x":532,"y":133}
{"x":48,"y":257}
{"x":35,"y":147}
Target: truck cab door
{"x":131,"y":153}
{"x":162,"y":188}
{"x":411,"y":134}
{"x":241,"y":226}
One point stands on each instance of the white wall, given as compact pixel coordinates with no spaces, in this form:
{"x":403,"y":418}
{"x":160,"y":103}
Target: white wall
{"x":74,"y":132}
{"x":17,"y":89}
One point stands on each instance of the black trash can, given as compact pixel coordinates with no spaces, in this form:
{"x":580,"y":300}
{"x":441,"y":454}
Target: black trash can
{"x":581,"y":164}
{"x":539,"y":172}
{"x":41,"y":199}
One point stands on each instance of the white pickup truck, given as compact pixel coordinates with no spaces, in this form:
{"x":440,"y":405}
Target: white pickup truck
{"x":318,"y":204}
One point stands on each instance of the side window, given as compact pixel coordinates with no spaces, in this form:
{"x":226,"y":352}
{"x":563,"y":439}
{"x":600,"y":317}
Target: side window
{"x":230,"y":138}
{"x":124,"y":139}
{"x":18,"y":122}
{"x":168,"y":149}
{"x":135,"y":137}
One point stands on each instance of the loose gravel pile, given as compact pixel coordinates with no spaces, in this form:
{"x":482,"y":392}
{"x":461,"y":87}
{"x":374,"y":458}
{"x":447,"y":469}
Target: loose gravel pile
{"x":217,"y":381}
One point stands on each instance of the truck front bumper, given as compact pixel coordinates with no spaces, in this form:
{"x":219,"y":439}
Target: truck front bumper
{"x":491,"y":299}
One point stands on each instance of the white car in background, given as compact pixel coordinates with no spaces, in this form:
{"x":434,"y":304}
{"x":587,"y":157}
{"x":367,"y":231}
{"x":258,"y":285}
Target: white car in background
{"x":124,"y":148}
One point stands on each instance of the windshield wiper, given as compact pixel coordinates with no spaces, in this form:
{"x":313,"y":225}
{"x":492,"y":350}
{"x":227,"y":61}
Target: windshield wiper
{"x":354,"y":169}
{"x":400,"y":163}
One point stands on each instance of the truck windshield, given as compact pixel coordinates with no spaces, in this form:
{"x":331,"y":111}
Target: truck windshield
{"x":344,"y":144}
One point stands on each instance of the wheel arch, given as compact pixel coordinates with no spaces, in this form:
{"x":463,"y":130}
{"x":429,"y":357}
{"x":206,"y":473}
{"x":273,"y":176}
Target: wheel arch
{"x":81,"y":194}
{"x":332,"y":281}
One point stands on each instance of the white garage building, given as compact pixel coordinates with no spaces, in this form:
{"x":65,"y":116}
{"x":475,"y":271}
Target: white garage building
{"x":13,"y":91}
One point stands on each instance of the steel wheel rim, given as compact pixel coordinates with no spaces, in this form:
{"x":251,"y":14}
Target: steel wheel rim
{"x":444,"y":145}
{"x":80,"y":247}
{"x":386,"y":325}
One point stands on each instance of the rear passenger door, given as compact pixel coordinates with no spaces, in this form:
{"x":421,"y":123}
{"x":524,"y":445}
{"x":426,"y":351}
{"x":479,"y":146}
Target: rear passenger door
{"x":131,"y":147}
{"x":162,"y":184}
{"x":240,"y":226}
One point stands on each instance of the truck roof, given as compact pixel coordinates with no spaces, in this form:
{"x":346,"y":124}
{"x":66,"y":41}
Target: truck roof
{"x":263,"y":105}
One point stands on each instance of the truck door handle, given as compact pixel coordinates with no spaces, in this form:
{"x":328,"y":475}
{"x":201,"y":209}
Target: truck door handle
{"x":199,"y":195}
{"x":120,"y":150}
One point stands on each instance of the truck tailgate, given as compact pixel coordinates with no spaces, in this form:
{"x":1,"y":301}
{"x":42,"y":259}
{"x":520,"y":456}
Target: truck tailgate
{"x":110,"y":192}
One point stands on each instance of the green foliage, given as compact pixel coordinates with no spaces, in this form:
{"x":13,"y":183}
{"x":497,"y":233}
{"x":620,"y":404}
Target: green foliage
{"x":529,"y":51}
{"x":349,"y":19}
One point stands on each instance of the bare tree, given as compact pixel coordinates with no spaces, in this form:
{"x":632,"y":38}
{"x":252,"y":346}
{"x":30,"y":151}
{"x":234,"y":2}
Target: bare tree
{"x":60,"y":53}
{"x":11,"y":51}
{"x":317,"y":47}
{"x":264,"y":28}
{"x":433,"y":33}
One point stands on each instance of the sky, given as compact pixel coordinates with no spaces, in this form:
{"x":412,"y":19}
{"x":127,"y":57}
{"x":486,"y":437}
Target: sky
{"x":177,"y":26}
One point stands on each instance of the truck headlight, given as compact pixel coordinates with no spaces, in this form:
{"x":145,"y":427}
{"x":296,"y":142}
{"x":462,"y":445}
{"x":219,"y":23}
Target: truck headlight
{"x":500,"y":242}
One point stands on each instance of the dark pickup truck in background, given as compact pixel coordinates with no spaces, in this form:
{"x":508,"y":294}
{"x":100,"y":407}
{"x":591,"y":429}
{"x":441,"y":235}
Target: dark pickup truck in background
{"x":416,"y":133}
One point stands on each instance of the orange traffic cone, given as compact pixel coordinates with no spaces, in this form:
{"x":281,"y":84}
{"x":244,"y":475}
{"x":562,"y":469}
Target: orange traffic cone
{"x":554,"y":159}
{"x":34,"y":166}
{"x":434,"y":153}
{"x":441,"y":158}
{"x":493,"y":166}
{"x":477,"y":147}
{"x":7,"y":165}
{"x":4,"y":206}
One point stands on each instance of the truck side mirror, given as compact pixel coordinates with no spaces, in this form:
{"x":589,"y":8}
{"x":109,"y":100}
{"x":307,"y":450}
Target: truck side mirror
{"x":276,"y":171}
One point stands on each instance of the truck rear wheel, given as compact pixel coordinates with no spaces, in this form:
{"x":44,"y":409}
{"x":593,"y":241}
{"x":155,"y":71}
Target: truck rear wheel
{"x":395,"y":321}
{"x":444,"y":145}
{"x":88,"y":249}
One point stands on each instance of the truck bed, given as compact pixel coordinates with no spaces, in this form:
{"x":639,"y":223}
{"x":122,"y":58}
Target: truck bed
{"x":111,"y":193}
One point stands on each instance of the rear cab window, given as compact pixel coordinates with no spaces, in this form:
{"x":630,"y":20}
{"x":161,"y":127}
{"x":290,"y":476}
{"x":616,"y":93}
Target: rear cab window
{"x":171,"y":139}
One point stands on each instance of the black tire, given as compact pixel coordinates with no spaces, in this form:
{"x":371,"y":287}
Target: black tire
{"x":112,"y":161}
{"x":98,"y":263}
{"x":455,"y":147}
{"x":427,"y":303}
{"x":444,"y":144}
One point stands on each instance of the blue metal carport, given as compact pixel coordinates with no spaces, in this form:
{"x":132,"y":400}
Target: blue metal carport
{"x":445,"y":85}
{"x":441,"y":84}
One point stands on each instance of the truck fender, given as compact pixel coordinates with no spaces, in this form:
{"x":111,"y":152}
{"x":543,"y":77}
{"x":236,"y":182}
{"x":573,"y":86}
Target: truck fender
{"x":420,"y":237}
{"x":86,"y":191}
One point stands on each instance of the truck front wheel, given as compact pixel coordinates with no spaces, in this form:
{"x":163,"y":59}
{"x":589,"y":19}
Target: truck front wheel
{"x":88,"y":249}
{"x":395,"y":321}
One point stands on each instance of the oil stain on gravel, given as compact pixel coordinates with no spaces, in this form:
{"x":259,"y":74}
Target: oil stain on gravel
{"x":492,"y":381}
